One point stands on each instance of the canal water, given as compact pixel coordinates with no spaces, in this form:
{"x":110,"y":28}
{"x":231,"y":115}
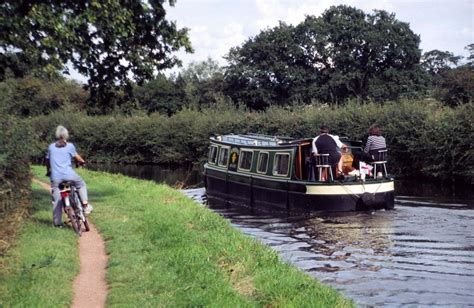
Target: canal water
{"x":420,"y":254}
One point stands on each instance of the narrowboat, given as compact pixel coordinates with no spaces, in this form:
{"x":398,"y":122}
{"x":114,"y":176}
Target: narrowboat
{"x":280,"y":174}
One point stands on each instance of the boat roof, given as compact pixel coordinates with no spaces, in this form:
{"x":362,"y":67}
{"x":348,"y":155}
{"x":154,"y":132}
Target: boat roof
{"x":257,"y":140}
{"x":260,"y":140}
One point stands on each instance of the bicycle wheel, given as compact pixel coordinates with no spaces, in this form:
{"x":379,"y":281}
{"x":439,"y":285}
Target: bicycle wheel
{"x":80,"y":214}
{"x":76,"y":225}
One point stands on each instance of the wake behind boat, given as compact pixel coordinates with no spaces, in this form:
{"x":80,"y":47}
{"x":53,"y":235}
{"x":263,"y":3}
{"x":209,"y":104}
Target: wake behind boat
{"x":280,"y":173}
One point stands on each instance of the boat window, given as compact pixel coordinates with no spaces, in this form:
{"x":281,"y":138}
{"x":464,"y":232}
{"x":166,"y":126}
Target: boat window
{"x":281,"y":163}
{"x":223,"y":157}
{"x":213,"y":154}
{"x":245,"y":162}
{"x":262,"y":163}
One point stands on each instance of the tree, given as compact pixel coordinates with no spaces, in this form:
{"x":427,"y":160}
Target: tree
{"x":160,"y":95}
{"x":457,"y":86}
{"x":112,"y":42}
{"x":359,"y":51}
{"x":437,"y":62}
{"x":451,"y":83}
{"x":470,"y":59}
{"x":202,"y":82}
{"x":267,"y":69}
{"x":16,"y":65}
{"x":342,"y":54}
{"x":33,"y":96}
{"x":201,"y":71}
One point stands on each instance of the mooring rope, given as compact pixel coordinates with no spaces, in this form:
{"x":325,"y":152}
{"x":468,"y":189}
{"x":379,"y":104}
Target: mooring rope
{"x":349,"y":191}
{"x":364,"y":189}
{"x":380,"y":185}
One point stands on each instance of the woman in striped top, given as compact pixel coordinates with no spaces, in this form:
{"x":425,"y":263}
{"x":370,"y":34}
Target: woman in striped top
{"x":375,"y":142}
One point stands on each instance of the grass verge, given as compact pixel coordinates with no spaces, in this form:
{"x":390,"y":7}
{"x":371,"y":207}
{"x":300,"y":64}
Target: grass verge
{"x":166,"y":250}
{"x":39,"y":267}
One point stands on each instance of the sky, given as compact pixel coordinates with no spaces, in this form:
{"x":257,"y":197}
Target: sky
{"x":217,"y":25}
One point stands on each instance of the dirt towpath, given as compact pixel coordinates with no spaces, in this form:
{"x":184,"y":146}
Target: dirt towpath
{"x":90,"y":287}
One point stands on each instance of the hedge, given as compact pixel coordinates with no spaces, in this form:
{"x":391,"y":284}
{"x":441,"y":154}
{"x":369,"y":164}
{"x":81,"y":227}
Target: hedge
{"x":17,"y":142}
{"x":424,"y":137}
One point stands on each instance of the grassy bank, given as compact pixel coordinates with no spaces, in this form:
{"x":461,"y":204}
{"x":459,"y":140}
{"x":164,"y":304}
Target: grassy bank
{"x":39,"y":268}
{"x":166,"y":250}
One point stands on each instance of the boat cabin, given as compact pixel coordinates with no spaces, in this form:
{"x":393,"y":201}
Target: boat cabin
{"x":280,"y":157}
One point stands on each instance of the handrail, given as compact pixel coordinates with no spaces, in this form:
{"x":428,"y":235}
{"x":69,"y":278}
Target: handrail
{"x":245,"y":140}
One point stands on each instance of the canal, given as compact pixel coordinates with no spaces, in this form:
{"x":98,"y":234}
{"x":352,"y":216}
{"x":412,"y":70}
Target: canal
{"x":422,"y":253}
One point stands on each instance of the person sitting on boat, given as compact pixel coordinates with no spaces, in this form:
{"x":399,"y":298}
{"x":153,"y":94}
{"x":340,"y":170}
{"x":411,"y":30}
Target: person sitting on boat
{"x":326,"y":143}
{"x":374,"y":144}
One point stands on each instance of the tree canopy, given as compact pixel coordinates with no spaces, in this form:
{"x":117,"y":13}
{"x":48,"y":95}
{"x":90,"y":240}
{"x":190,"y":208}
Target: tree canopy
{"x":112,"y":42}
{"x":342,"y":54}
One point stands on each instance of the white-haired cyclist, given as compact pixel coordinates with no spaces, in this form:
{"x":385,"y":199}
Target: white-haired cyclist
{"x":59,"y":168}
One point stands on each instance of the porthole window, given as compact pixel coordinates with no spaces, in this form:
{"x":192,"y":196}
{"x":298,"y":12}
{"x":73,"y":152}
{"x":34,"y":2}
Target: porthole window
{"x":281,"y":164}
{"x":213,"y":154}
{"x":262,"y":164}
{"x":245,"y":162}
{"x":223,"y":157}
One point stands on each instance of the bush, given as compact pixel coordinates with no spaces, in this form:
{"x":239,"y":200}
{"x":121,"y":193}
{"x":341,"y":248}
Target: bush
{"x":447,"y":142}
{"x":16,"y":145}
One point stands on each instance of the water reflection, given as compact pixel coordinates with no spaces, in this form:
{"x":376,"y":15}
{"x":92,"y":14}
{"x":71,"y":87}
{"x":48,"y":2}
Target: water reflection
{"x":366,"y":231}
{"x":173,"y":176}
{"x":436,"y":190}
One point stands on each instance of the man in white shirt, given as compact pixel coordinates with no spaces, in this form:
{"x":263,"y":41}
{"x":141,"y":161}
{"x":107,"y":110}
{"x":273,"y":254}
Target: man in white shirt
{"x":326,"y":143}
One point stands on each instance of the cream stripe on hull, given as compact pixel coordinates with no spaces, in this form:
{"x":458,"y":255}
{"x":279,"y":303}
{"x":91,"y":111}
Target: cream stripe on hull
{"x":343,"y":189}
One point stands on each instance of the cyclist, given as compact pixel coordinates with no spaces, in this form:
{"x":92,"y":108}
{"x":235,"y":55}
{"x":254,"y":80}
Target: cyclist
{"x":59,"y":169}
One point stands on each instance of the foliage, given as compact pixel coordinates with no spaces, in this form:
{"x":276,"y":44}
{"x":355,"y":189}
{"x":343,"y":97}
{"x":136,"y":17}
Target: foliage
{"x":160,"y":95}
{"x":447,"y":138}
{"x":32,"y":96}
{"x":41,"y":257}
{"x":111,"y":42}
{"x":185,"y":255}
{"x":201,"y":71}
{"x":450,"y":83}
{"x":437,"y":64}
{"x":202,"y":83}
{"x":470,"y":59}
{"x":457,"y":86}
{"x":342,"y":54}
{"x":268,"y":69}
{"x":17,"y":65}
{"x":183,"y":137}
{"x":17,"y":143}
{"x":199,"y":85}
{"x":436,"y":61}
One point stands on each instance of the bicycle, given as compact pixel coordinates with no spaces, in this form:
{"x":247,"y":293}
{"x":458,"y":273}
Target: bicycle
{"x":72,"y":206}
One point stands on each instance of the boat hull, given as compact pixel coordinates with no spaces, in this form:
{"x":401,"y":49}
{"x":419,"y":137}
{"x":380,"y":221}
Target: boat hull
{"x":285,"y":195}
